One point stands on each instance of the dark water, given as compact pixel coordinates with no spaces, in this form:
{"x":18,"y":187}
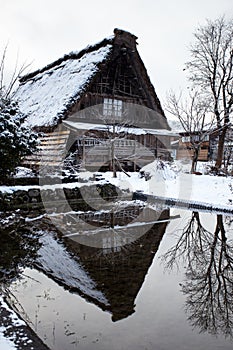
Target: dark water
{"x":172,"y":288}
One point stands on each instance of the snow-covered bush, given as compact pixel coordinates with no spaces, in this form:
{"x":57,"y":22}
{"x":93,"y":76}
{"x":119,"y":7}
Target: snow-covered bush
{"x":159,"y":170}
{"x":21,"y":171}
{"x":16,"y":139}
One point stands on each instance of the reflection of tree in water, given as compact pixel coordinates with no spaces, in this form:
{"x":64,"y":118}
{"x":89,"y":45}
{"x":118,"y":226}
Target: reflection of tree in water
{"x":209,"y":275}
{"x":18,"y":248}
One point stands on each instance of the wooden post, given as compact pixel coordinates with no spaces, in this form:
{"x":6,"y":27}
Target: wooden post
{"x":112,"y":219}
{"x":84,"y":154}
{"x":134,"y":163}
{"x":113,"y":153}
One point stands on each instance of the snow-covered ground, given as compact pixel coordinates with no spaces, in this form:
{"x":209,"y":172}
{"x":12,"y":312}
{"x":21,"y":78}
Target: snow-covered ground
{"x":14,"y":332}
{"x":205,"y":188}
{"x":5,"y":344}
{"x":159,"y":179}
{"x":8,"y":343}
{"x":173,"y":181}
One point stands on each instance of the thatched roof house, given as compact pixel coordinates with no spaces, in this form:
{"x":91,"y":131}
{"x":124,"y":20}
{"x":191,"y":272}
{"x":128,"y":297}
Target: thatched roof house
{"x":111,"y":68}
{"x":109,"y":75}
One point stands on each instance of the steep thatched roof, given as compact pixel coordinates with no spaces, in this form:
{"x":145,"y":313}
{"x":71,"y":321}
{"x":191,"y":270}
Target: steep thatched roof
{"x":47,"y":95}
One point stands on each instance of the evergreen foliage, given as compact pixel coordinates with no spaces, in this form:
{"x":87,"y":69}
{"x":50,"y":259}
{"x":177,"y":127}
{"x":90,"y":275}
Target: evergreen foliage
{"x":16,"y":139}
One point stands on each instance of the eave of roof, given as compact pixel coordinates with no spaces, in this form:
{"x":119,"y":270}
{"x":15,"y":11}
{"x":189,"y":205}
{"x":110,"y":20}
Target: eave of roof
{"x":80,"y":126}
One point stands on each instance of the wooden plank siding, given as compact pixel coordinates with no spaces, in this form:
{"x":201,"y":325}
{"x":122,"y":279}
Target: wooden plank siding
{"x":94,"y":150}
{"x":184,"y":153}
{"x":51,"y":150}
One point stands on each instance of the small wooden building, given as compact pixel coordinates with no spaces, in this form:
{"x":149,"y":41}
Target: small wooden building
{"x":182,"y":147}
{"x":94,"y":88}
{"x":185,"y":148}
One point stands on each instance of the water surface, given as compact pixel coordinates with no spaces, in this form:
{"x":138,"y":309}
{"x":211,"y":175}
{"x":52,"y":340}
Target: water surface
{"x":172,"y":288}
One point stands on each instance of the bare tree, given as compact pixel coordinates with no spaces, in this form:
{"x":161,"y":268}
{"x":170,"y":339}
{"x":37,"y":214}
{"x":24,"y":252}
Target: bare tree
{"x":228,"y":151}
{"x":194,"y":117}
{"x":211,"y":69}
{"x":6,"y":89}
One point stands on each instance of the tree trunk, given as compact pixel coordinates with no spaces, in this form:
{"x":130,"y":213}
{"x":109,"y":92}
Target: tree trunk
{"x":194,"y":159}
{"x":113,"y":160}
{"x":112,"y":219}
{"x":221,"y":142}
{"x":113,"y":153}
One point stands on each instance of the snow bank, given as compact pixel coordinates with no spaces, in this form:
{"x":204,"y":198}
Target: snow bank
{"x":167,"y":183}
{"x":5,"y":344}
{"x":160,"y":179}
{"x":23,"y":172}
{"x":8,"y":343}
{"x":159,"y":171}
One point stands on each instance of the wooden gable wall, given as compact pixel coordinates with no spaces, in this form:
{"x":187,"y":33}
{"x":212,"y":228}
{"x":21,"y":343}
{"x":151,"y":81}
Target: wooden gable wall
{"x":123,"y":76}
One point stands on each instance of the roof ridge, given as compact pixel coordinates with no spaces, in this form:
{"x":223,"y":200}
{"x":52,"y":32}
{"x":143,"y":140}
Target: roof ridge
{"x":71,"y":55}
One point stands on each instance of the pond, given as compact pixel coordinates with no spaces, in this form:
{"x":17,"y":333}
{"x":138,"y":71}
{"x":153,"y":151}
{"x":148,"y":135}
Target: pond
{"x":171,"y":288}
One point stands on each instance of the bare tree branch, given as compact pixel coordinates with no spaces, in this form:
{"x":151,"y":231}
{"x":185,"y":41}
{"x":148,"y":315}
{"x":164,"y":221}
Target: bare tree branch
{"x":6,"y":90}
{"x":195,"y":118}
{"x":211,"y":69}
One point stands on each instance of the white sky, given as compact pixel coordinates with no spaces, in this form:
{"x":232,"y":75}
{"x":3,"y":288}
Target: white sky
{"x":42,"y":31}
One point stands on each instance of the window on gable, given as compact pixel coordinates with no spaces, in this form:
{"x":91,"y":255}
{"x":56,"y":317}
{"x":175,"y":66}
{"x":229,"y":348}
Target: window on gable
{"x":112,"y":107}
{"x":195,"y":138}
{"x":185,"y":139}
{"x":206,"y":138}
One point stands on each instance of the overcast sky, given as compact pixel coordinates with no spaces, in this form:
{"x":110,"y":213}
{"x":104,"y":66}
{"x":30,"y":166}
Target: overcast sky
{"x":42,"y":31}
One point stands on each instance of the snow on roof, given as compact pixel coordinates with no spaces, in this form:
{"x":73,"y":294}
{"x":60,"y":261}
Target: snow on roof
{"x":125,"y":129}
{"x":176,"y":142}
{"x":104,"y":127}
{"x":162,"y":132}
{"x":44,"y":96}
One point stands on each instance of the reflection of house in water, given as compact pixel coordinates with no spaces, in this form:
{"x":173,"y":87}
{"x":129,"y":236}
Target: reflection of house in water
{"x":110,"y":278}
